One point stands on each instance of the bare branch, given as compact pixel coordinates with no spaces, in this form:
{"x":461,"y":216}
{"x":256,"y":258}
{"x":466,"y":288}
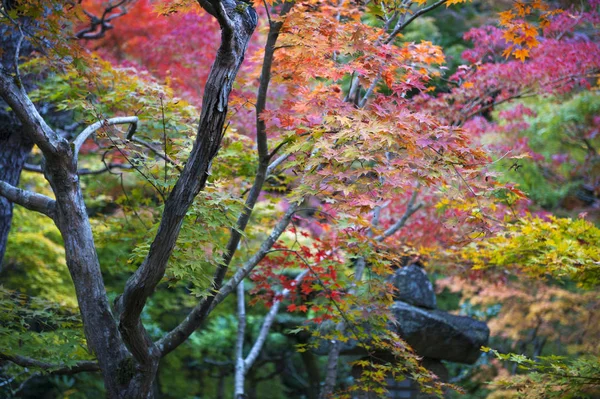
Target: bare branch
{"x":28,"y":199}
{"x":267,"y":323}
{"x":243,"y":365}
{"x":240,"y":367}
{"x":88,"y":131}
{"x":99,"y":25}
{"x":80,"y":367}
{"x":411,"y":208}
{"x":156,"y":152}
{"x":399,"y":28}
{"x":40,"y":133}
{"x":276,"y":163}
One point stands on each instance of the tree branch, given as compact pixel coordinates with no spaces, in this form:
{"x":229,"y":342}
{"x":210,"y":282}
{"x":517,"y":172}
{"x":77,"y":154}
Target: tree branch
{"x":411,"y":208}
{"x":240,"y":367}
{"x":203,"y":308}
{"x":88,"y":131}
{"x":28,"y":199}
{"x":193,"y":320}
{"x":236,"y":28}
{"x":80,"y":367}
{"x":156,"y":152}
{"x":40,"y":133}
{"x":84,"y":171}
{"x":243,"y":365}
{"x":273,"y":165}
{"x":99,"y":26}
{"x":399,"y":28}
{"x":267,"y":323}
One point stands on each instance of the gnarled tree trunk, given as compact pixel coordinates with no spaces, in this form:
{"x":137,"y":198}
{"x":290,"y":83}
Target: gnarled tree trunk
{"x":127,"y":358}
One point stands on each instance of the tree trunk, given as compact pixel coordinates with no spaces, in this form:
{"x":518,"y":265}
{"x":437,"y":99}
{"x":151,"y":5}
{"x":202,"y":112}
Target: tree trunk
{"x":14,"y":148}
{"x":127,"y":358}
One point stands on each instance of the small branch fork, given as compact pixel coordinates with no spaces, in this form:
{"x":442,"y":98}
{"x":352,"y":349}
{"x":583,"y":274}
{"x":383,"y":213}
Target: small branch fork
{"x":242,"y":365}
{"x":411,"y":208}
{"x":46,"y":205}
{"x":87,"y":132}
{"x":402,"y":24}
{"x":180,"y":333}
{"x":99,"y":25}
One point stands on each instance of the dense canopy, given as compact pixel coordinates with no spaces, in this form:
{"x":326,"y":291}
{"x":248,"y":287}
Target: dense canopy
{"x":299,"y":199}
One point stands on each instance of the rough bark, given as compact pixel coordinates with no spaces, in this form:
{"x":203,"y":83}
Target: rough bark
{"x":126,"y":357}
{"x":14,"y":149}
{"x":237,"y":25}
{"x":14,"y":146}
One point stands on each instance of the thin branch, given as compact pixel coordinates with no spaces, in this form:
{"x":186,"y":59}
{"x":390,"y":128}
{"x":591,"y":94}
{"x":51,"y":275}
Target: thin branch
{"x":28,"y":199}
{"x":156,"y":152}
{"x":99,"y":25}
{"x":249,"y":265}
{"x":268,"y":13}
{"x":369,"y":91}
{"x":277,"y":162}
{"x":276,"y":149}
{"x":411,"y":208}
{"x":240,"y":368}
{"x":88,"y":131}
{"x":268,"y":322}
{"x":399,"y":28}
{"x":83,"y":366}
{"x":84,"y":171}
{"x":193,"y":320}
{"x":265,"y":78}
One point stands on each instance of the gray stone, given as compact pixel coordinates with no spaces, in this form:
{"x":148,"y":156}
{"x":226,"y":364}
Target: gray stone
{"x":440,"y":335}
{"x":414,"y":287}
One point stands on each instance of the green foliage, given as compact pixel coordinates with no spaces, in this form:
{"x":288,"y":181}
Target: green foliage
{"x":558,"y":128}
{"x":35,"y":261}
{"x":557,"y":247}
{"x":36,"y":327}
{"x":550,"y":376}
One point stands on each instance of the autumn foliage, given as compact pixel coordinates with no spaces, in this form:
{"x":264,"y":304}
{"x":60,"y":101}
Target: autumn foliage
{"x":373,"y":153}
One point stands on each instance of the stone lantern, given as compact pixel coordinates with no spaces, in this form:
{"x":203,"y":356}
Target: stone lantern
{"x":434,"y":334}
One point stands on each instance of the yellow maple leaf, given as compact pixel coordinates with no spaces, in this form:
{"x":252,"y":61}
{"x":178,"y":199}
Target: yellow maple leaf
{"x":521,"y":54}
{"x":506,"y":17}
{"x":529,"y":30}
{"x":451,"y":2}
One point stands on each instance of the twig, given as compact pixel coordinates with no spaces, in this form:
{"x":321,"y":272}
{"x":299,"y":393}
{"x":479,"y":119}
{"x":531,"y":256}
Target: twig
{"x":418,"y":13}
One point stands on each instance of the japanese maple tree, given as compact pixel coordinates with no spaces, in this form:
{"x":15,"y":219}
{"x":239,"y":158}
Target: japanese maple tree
{"x":345,"y":149}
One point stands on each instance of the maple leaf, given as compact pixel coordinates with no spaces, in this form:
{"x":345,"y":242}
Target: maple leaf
{"x":521,"y":54}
